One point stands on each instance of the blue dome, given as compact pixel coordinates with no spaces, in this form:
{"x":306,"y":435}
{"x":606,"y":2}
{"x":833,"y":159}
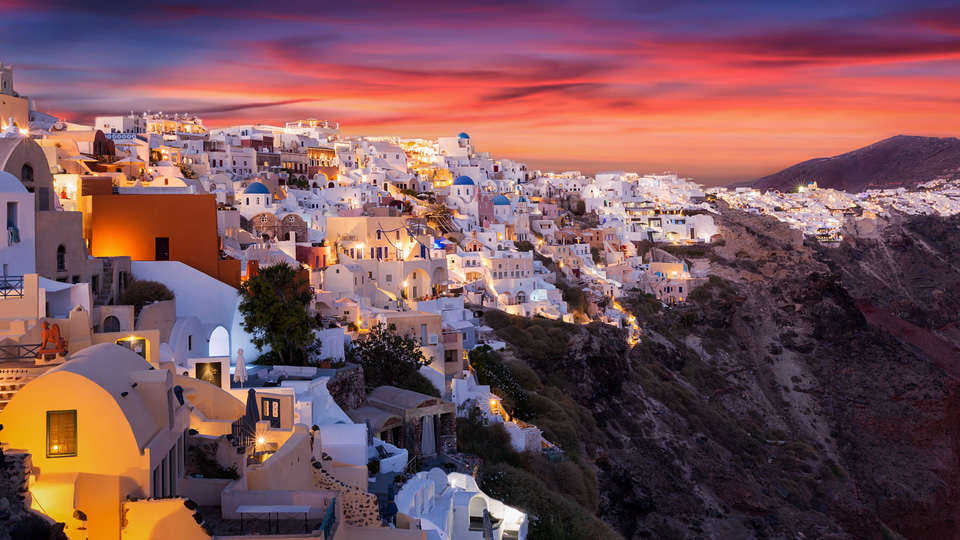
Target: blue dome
{"x":256,"y":188}
{"x":500,"y":200}
{"x":464,"y":181}
{"x":522,"y":199}
{"x":463,"y":135}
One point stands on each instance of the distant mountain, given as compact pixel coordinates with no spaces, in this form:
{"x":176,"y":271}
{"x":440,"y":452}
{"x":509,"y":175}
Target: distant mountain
{"x":898,"y":161}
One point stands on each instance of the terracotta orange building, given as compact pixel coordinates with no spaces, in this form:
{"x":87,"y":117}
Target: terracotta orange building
{"x":158,"y":227}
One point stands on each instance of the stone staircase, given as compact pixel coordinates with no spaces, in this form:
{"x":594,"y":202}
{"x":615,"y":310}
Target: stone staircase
{"x":105,"y":294}
{"x":11,"y":381}
{"x":360,"y":509}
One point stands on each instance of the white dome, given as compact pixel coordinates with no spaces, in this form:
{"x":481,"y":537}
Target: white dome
{"x":11,"y":184}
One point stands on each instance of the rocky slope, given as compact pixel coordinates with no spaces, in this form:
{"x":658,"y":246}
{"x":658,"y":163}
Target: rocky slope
{"x":804,"y":392}
{"x":898,"y":161}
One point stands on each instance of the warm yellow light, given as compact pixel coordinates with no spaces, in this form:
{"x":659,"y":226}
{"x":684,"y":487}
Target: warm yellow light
{"x":404,"y":284}
{"x":260,"y":440}
{"x":55,"y":448}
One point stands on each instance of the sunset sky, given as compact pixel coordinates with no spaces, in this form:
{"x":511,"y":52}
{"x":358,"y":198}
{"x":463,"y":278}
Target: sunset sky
{"x":720,"y":91}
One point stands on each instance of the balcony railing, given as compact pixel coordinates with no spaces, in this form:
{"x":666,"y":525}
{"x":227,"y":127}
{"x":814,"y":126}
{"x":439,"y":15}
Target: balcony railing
{"x":327,"y":525}
{"x":19,"y":351}
{"x":11,"y":287}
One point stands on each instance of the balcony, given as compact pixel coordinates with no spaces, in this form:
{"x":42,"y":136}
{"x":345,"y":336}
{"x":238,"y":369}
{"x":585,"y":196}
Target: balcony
{"x":11,"y":287}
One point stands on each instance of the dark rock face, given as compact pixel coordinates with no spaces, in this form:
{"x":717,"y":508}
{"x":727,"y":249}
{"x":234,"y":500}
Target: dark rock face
{"x":348,"y":388}
{"x":898,"y":161}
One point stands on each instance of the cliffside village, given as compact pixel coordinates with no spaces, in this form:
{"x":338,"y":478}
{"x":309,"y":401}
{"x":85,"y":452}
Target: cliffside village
{"x":823,"y":213}
{"x":149,"y":423}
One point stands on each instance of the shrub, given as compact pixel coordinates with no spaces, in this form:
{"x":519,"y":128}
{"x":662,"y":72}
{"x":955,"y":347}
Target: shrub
{"x":559,"y":518}
{"x":209,"y":467}
{"x":141,"y":292}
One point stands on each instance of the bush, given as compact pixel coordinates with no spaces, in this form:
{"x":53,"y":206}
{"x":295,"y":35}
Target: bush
{"x":141,"y":292}
{"x":576,"y":301}
{"x":489,"y":443}
{"x":524,"y":245}
{"x":559,"y":518}
{"x":209,"y":467}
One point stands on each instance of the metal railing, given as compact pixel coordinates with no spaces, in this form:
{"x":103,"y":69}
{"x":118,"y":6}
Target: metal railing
{"x":19,"y":351}
{"x":11,"y":287}
{"x":328,"y":519}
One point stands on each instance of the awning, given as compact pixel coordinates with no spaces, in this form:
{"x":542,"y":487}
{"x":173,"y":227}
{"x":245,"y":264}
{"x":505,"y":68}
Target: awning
{"x":51,"y":285}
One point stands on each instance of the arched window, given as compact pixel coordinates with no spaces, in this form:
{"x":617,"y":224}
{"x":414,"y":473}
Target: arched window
{"x":111,"y":324}
{"x":26,"y":173}
{"x":61,"y":259}
{"x":521,"y":297}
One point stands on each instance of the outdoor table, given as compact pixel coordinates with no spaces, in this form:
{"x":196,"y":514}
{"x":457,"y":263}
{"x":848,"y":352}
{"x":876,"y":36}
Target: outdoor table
{"x":274,"y":511}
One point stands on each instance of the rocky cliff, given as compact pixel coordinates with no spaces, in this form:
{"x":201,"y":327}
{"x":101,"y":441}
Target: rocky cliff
{"x":804,"y":392}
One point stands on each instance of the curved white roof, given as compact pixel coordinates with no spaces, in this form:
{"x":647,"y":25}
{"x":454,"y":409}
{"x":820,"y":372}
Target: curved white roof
{"x":10,"y":183}
{"x":111,"y":367}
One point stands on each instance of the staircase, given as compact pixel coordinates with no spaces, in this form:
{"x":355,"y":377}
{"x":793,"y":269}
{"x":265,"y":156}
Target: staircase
{"x":11,"y":381}
{"x":105,"y":294}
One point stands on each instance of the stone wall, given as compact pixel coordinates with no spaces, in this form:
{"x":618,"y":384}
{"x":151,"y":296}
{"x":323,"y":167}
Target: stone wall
{"x":448,"y":433}
{"x":360,"y":509}
{"x":348,"y":388}
{"x":15,"y":514}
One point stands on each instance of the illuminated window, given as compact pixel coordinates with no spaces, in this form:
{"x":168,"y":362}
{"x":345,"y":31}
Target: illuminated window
{"x":61,"y":433}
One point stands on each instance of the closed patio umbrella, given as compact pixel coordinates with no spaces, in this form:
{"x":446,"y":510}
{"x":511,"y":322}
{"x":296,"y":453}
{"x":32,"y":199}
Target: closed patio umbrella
{"x":252,"y":414}
{"x":240,"y":371}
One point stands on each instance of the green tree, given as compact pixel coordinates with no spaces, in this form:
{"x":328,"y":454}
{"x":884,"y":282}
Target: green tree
{"x":391,"y":359}
{"x":274,"y":309}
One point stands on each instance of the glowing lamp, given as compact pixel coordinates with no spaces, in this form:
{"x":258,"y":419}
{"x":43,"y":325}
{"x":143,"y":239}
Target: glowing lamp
{"x":260,"y":440}
{"x":24,"y":131}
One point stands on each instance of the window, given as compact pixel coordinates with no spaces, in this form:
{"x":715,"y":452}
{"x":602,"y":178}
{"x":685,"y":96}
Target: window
{"x":12,"y":215}
{"x":61,"y":259}
{"x":61,"y":433}
{"x":190,"y":343}
{"x":26,"y":173}
{"x":270,"y":410}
